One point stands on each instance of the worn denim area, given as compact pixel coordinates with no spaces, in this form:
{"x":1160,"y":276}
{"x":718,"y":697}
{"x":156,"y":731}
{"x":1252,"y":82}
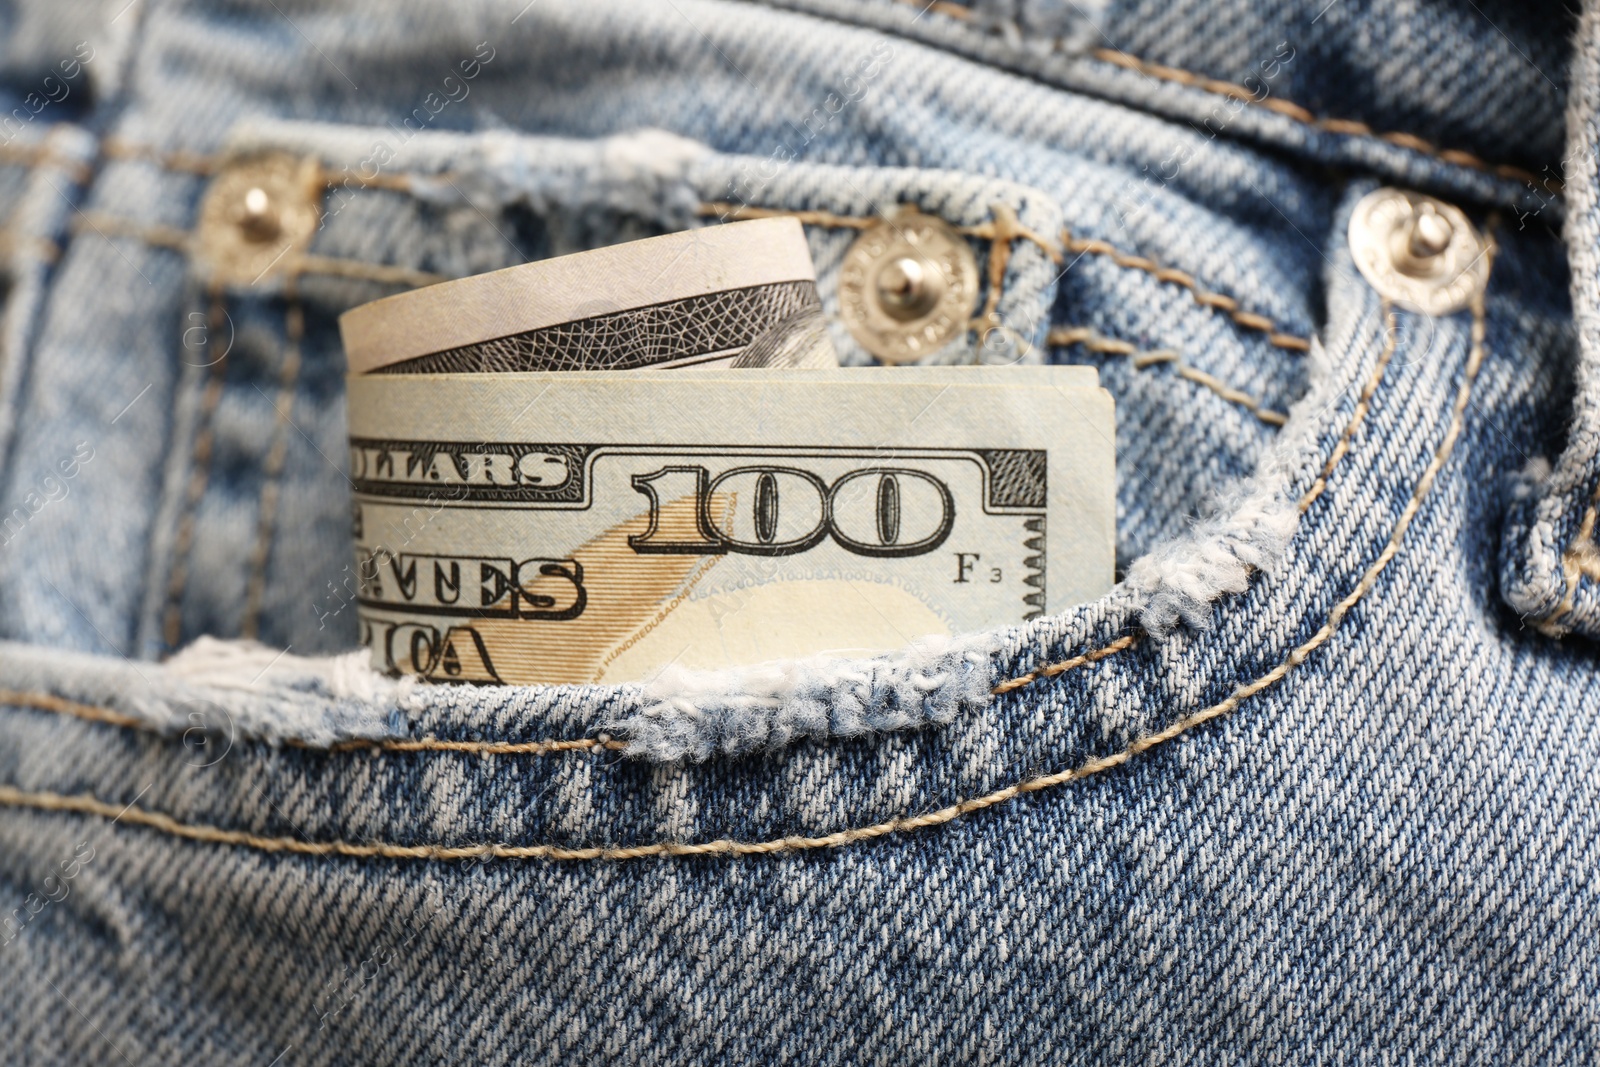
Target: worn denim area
{"x":1316,"y":782}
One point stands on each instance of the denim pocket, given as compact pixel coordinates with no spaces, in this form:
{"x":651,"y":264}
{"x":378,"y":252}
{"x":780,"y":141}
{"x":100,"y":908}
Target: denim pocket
{"x":250,"y":514}
{"x":248,"y":520}
{"x":1208,"y":282}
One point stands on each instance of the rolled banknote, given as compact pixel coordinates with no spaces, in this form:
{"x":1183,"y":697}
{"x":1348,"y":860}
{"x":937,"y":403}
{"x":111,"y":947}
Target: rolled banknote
{"x":743,"y":294}
{"x":577,"y":527}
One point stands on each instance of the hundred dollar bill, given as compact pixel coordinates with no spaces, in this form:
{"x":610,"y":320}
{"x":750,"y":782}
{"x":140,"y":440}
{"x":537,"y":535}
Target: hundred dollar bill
{"x":528,"y":528}
{"x":740,"y":295}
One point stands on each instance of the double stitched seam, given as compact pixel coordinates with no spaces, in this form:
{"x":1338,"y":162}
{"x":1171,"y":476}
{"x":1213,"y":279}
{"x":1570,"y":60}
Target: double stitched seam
{"x":207,"y":165}
{"x":1003,"y":229}
{"x":89,"y":805}
{"x":1204,"y":297}
{"x":1582,"y":558}
{"x":294,"y":328}
{"x":1391,"y":334}
{"x":1339,"y":451}
{"x":1348,"y":127}
{"x":44,"y":155}
{"x":294,"y":264}
{"x":168,"y":159}
{"x":1095,"y":342}
{"x":1218,"y":87}
{"x":199,"y":475}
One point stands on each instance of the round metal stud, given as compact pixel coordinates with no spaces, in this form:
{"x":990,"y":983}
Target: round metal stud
{"x":1419,"y":252}
{"x":907,"y":287}
{"x":257,"y":213}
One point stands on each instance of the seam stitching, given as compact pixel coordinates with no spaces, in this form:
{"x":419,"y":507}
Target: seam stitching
{"x":1094,"y":341}
{"x":294,"y":327}
{"x":1363,"y":403}
{"x":199,"y":474}
{"x":1347,"y":127}
{"x":1289,"y":110}
{"x":1340,"y":448}
{"x":1204,"y":297}
{"x":83,"y":804}
{"x":295,"y":264}
{"x":1003,"y":228}
{"x":1581,"y":559}
{"x":124,"y":151}
{"x":1051,"y":670}
{"x":44,"y":154}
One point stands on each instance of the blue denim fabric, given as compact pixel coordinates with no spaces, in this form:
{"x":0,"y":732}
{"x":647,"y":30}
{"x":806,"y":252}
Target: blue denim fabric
{"x":1317,"y":781}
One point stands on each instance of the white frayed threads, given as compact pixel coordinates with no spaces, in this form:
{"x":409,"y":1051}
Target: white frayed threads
{"x":644,"y":172}
{"x":698,"y":714}
{"x":1180,"y":581}
{"x":250,"y":665}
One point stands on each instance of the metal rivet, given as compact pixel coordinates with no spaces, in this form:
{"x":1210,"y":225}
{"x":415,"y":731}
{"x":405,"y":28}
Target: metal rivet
{"x":256,"y":213}
{"x":1430,"y":233}
{"x":1419,"y":252}
{"x":257,"y":216}
{"x":907,"y":287}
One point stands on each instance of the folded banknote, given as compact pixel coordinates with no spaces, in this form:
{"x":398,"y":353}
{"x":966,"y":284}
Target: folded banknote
{"x":738,"y":295}
{"x":579,"y":527}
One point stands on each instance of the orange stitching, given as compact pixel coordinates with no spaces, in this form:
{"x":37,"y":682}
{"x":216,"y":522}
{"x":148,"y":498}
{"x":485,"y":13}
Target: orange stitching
{"x":189,"y":162}
{"x":1002,"y":229}
{"x":1051,"y":670}
{"x":206,"y":165}
{"x":1299,"y":114}
{"x":62,"y":706}
{"x":195,"y":163}
{"x":116,"y":226}
{"x":294,"y":265}
{"x":1004,"y":226}
{"x":45,"y":801}
{"x":1216,"y":86}
{"x":1390,"y":334}
{"x":294,"y":329}
{"x":999,"y":259}
{"x":998,"y":230}
{"x":199,"y":474}
{"x":1339,"y":450}
{"x":1249,"y":320}
{"x":44,"y":155}
{"x":1094,"y":342}
{"x":1582,"y":558}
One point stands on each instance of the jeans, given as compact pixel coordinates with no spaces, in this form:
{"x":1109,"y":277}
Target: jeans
{"x":1318,"y":781}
